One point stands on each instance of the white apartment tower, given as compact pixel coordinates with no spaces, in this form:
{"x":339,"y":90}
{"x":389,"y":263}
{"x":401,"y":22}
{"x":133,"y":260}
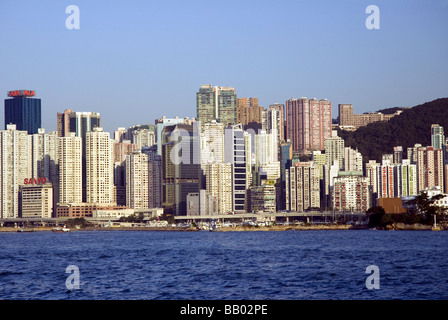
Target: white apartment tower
{"x":219,"y":184}
{"x":15,"y":168}
{"x":266,"y":148}
{"x":70,"y":168}
{"x":154,"y":177}
{"x":100,"y":187}
{"x":137,"y":182}
{"x":212,"y":142}
{"x":44,"y":161}
{"x":334,"y":149}
{"x":352,"y":160}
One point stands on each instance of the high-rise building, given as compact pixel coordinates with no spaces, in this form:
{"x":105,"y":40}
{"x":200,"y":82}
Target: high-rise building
{"x":280,"y":108}
{"x":120,"y":134}
{"x":100,"y":187}
{"x":398,"y":154}
{"x":201,"y":204}
{"x":137,"y":182}
{"x":430,"y":168}
{"x":70,"y":168}
{"x":181,"y":166}
{"x":206,"y":104}
{"x":438,"y":140}
{"x":330,"y":173}
{"x":63,"y":122}
{"x":160,"y":124}
{"x":236,"y":154}
{"x":345,"y":115}
{"x":302,"y":187}
{"x":219,"y":184}
{"x":14,"y":169}
{"x":121,"y":149}
{"x":81,"y":123}
{"x":319,"y":160}
{"x":352,"y":160}
{"x":23,"y":111}
{"x":143,"y":138}
{"x":262,"y":198}
{"x":396,"y":180}
{"x":285,"y":163}
{"x":36,"y":201}
{"x":351,"y":192}
{"x":248,"y":111}
{"x":216,"y":103}
{"x":371,"y":173}
{"x":308,"y":123}
{"x":334,"y":149}
{"x":405,"y":179}
{"x":266,"y":148}
{"x":437,"y":137}
{"x":386,"y":180}
{"x":154,"y":177}
{"x":212,"y":142}
{"x":412,"y":153}
{"x":226,"y":105}
{"x":44,"y":159}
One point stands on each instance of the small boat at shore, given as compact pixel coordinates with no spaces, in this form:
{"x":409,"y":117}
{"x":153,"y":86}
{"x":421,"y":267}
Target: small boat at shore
{"x":58,"y":229}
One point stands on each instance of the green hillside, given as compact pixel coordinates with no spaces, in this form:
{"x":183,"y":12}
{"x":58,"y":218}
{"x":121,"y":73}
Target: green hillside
{"x":411,"y":127}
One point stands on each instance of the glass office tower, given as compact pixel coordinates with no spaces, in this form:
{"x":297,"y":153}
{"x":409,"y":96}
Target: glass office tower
{"x":23,"y":111}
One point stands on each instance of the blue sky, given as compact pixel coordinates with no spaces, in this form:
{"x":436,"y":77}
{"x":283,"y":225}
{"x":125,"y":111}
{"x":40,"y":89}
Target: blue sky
{"x":135,"y":61}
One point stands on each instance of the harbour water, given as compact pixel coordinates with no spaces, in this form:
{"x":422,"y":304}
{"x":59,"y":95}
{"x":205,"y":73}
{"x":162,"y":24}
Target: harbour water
{"x":284,"y":265}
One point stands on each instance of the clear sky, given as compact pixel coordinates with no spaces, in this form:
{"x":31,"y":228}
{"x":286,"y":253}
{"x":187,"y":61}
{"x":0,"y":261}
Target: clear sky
{"x":135,"y":61}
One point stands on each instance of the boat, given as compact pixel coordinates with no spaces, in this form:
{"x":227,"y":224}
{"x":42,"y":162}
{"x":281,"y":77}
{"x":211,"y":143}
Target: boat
{"x":63,"y":229}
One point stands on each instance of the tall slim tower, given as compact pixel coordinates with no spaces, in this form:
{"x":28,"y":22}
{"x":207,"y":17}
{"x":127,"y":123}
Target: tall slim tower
{"x":80,"y":124}
{"x":437,"y":137}
{"x":137,"y":182}
{"x":226,"y":105}
{"x":23,"y":110}
{"x":63,"y":123}
{"x":438,"y":140}
{"x":44,"y":159}
{"x":14,"y":168}
{"x":280,"y":119}
{"x":70,"y":168}
{"x":100,"y":187}
{"x":236,"y":154}
{"x":212,"y":142}
{"x":219,"y":184}
{"x":154,"y":177}
{"x":181,"y":166}
{"x":206,"y":104}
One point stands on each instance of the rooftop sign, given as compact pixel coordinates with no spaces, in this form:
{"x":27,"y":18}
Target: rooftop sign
{"x":21,"y":93}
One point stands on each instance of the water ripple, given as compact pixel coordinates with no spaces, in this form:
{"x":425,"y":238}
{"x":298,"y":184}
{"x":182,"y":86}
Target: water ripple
{"x":234,"y":265}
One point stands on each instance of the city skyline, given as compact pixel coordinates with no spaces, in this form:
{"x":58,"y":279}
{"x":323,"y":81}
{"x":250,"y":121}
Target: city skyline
{"x":151,"y":59}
